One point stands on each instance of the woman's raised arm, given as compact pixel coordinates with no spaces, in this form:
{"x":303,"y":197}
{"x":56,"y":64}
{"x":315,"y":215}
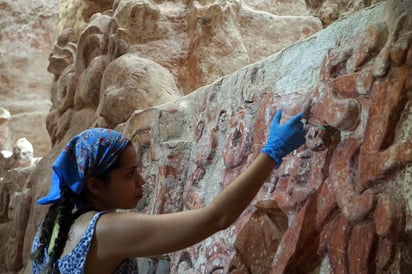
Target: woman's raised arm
{"x":137,"y":235}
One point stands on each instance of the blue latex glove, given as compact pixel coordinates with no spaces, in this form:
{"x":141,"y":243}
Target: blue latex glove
{"x":285,"y":138}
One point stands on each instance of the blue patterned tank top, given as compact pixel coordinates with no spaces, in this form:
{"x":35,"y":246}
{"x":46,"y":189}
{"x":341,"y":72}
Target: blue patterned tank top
{"x":74,"y":261}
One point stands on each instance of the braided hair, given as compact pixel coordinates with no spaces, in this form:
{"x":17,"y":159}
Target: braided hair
{"x":90,"y":153}
{"x":54,"y":231}
{"x":55,"y":228}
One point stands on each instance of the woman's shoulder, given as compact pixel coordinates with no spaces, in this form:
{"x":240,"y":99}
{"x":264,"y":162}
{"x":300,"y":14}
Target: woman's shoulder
{"x":111,"y":227}
{"x":88,"y":219}
{"x":81,"y":231}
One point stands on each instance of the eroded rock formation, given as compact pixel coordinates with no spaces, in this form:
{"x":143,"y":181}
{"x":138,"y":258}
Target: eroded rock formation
{"x":27,"y":35}
{"x":356,"y":215}
{"x":341,"y":204}
{"x":331,"y":10}
{"x":345,"y":194}
{"x":15,"y":168}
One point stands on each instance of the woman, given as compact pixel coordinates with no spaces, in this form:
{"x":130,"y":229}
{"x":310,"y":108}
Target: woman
{"x":96,"y":173}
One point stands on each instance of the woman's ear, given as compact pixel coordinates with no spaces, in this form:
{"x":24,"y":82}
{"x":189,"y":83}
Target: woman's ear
{"x":95,"y":185}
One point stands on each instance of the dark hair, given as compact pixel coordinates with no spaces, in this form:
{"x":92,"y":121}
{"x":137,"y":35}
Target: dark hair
{"x":61,"y":215}
{"x":103,"y":176}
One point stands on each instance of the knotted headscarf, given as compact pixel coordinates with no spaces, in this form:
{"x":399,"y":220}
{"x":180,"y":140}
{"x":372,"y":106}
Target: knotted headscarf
{"x":90,"y":153}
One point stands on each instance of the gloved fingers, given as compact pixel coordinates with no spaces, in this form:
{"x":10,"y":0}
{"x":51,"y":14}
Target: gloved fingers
{"x":299,"y":125}
{"x":278,"y":116}
{"x":297,"y":140}
{"x":295,"y":120}
{"x":299,"y":132}
{"x":302,"y":133}
{"x":302,"y":140}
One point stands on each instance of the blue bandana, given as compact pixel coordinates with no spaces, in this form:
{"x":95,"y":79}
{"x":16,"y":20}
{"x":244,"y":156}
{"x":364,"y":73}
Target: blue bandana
{"x":90,"y":153}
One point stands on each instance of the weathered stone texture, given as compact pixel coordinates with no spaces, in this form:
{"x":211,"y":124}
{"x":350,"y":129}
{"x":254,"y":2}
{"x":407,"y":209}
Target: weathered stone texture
{"x":340,"y":204}
{"x":15,"y":200}
{"x":5,"y":143}
{"x":345,"y":210}
{"x":329,"y":11}
{"x":30,"y":27}
{"x":26,"y":39}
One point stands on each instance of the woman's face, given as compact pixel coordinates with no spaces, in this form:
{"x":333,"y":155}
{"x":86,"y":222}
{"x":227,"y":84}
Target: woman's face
{"x":124,"y":185}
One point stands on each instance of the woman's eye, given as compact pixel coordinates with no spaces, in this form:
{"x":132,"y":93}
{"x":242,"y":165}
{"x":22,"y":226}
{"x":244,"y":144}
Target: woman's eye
{"x":131,"y":173}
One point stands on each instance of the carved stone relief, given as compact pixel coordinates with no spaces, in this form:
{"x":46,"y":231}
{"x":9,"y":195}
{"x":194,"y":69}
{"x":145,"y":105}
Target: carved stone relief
{"x":340,"y":192}
{"x":334,"y":203}
{"x":15,"y":168}
{"x":355,"y":217}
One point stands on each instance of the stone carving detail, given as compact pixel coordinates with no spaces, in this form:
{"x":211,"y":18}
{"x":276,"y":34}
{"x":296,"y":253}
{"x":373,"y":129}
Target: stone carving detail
{"x":340,"y":192}
{"x":327,"y":201}
{"x":15,"y":168}
{"x":15,"y":199}
{"x":87,"y":77}
{"x":331,"y":10}
{"x":357,"y":209}
{"x":21,"y":156}
{"x":107,"y":64}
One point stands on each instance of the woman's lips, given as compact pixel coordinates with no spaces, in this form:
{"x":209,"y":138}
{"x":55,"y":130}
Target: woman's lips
{"x":139,"y":193}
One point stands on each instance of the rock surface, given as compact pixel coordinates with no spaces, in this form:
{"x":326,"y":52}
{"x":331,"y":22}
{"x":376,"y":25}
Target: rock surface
{"x":341,"y":204}
{"x":26,"y":39}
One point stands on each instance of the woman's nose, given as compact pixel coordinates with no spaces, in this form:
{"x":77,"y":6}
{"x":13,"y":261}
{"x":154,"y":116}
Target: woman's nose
{"x":140,"y":180}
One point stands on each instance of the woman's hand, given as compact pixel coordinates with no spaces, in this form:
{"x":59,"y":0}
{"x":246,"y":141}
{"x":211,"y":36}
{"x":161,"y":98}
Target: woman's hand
{"x":285,"y":138}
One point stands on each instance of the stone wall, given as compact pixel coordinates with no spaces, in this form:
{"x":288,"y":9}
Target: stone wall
{"x":341,"y":204}
{"x":26,"y":39}
{"x":186,"y":45}
{"x":328,"y":11}
{"x":29,"y":29}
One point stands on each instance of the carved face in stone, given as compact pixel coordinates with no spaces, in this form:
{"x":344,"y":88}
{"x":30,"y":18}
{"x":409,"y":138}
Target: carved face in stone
{"x":300,"y":176}
{"x":132,"y":83}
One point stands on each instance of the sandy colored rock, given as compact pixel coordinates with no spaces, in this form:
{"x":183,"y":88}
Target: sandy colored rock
{"x":340,"y":203}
